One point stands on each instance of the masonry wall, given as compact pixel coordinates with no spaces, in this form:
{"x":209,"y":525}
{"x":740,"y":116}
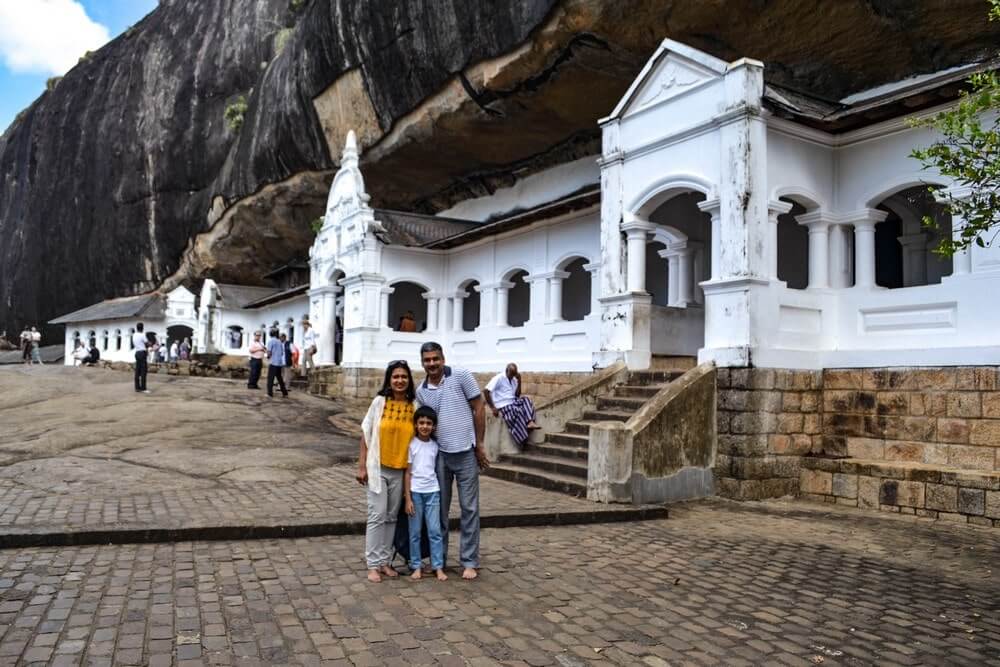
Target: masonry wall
{"x":775,"y":423}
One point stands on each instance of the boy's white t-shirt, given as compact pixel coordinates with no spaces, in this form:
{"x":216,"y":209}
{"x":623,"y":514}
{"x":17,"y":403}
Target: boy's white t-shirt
{"x":422,"y":457}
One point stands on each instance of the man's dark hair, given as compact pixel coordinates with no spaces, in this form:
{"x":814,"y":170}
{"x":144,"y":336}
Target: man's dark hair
{"x":386,"y":390}
{"x":431,"y":346}
{"x":138,"y":327}
{"x":425,"y":411}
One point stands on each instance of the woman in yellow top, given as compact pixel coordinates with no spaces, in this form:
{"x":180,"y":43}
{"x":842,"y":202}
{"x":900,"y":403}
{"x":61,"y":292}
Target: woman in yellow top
{"x":386,"y":433}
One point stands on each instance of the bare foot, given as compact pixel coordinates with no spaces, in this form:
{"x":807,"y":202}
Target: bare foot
{"x":441,"y":575}
{"x":389,"y":572}
{"x":532,"y":426}
{"x":374,"y":576}
{"x":470,"y":573}
{"x":417,"y":574}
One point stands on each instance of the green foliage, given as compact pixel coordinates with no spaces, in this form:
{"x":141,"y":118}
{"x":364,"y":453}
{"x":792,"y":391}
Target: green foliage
{"x":50,"y":84}
{"x":296,"y":5}
{"x":317,"y":224}
{"x":234,"y":113}
{"x":87,"y":55}
{"x":281,"y":39}
{"x":968,"y":153}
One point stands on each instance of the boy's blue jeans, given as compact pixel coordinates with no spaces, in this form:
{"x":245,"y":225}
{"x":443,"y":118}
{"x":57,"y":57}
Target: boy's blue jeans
{"x":427,"y":510}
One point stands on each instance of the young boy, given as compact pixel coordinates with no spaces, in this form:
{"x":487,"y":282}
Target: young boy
{"x":422,"y":493}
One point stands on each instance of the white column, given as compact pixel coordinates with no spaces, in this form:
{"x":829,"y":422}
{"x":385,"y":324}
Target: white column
{"x":383,"y":321}
{"x":961,"y":260}
{"x":840,"y":269}
{"x":711,"y":206}
{"x":914,"y":258}
{"x":818,"y":224}
{"x":487,"y":304}
{"x":685,"y":277}
{"x":457,"y":313}
{"x":502,"y":289}
{"x":864,"y":222}
{"x":556,"y":279}
{"x":635,"y":233}
{"x":594,"y":268}
{"x":774,"y":209}
{"x":432,"y":311}
{"x":671,"y":256}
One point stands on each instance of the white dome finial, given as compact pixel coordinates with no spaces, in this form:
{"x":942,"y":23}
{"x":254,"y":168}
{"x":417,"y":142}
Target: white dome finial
{"x":350,"y":156}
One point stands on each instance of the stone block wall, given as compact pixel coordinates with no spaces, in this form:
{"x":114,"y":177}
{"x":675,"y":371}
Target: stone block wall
{"x":905,"y":488}
{"x":767,"y":420}
{"x":946,"y":417}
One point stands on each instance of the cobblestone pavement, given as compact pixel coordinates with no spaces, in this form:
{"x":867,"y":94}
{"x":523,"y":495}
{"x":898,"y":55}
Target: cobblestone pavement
{"x":718,"y":583}
{"x":325,"y":495}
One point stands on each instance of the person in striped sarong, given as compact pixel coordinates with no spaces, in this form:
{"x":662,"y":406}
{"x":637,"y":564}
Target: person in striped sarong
{"x":503,"y":395}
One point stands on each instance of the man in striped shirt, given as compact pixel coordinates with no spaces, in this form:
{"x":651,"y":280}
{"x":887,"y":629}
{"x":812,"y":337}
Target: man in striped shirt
{"x":454,"y":395}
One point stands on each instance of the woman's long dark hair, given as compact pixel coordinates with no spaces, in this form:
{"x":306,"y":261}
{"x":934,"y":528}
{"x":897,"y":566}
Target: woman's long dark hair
{"x":386,"y":390}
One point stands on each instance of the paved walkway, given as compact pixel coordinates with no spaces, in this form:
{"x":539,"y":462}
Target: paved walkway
{"x":718,"y":583}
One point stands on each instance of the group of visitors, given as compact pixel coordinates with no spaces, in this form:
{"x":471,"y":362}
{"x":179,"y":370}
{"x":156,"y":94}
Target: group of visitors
{"x":420,"y":441}
{"x":31,"y":343}
{"x":282,"y":356}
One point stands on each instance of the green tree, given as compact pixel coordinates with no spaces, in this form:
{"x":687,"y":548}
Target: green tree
{"x":969,"y":153}
{"x":234,"y":113}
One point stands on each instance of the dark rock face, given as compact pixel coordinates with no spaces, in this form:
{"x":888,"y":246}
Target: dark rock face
{"x":127,"y":175}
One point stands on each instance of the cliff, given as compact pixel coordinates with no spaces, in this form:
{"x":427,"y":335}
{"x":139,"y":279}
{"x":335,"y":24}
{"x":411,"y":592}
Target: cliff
{"x":126,"y":173}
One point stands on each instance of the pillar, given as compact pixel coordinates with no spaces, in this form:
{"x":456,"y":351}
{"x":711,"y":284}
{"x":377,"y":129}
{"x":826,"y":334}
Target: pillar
{"x":711,"y":206}
{"x":864,"y":222}
{"x":818,"y":224}
{"x":840,"y":268}
{"x":383,"y":321}
{"x":432,"y":311}
{"x":501,"y":292}
{"x":457,"y":312}
{"x":594,"y":269}
{"x":685,"y":277}
{"x":914,"y":258}
{"x":774,"y":209}
{"x":635,"y":233}
{"x":556,"y":279}
{"x":961,"y":260}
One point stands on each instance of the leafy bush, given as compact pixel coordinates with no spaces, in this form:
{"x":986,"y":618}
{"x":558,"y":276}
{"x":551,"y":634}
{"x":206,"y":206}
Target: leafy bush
{"x":234,"y":113}
{"x":317,"y":224}
{"x":51,"y":83}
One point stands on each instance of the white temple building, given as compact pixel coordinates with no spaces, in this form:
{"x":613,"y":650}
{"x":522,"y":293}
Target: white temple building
{"x":726,"y":218}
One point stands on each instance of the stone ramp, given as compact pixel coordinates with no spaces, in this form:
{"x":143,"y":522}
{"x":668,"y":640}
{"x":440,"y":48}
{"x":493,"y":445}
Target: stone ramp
{"x":325,"y":501}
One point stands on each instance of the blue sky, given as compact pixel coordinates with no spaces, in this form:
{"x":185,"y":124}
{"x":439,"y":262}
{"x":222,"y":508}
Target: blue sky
{"x":43,"y":38}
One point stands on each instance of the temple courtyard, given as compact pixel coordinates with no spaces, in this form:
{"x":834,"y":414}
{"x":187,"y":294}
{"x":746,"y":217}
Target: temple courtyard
{"x":143,"y":529}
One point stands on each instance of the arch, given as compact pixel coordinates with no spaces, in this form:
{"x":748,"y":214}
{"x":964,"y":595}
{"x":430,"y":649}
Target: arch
{"x":667,"y":187}
{"x":507,"y":273}
{"x":666,"y":234}
{"x":234,"y":337}
{"x":409,"y":279}
{"x":896,"y":184}
{"x":105,"y":340}
{"x":331,"y":275}
{"x":804,"y":197}
{"x":570,"y":257}
{"x":518,"y":298}
{"x":407,"y":306}
{"x":131,"y":343}
{"x":472,"y":305}
{"x":118,"y":339}
{"x":904,"y":248}
{"x":576,"y":288}
{"x":92,"y":338}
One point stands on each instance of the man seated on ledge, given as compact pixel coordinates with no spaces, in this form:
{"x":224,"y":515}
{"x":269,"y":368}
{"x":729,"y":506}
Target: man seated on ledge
{"x":503,"y":395}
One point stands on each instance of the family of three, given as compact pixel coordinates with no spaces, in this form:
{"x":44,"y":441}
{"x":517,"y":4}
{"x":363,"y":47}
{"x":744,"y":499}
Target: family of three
{"x":418,"y":442}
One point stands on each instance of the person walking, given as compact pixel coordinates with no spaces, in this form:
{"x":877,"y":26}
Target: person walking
{"x":185,"y":350}
{"x":174,"y":352}
{"x":36,"y":346}
{"x":286,"y":371}
{"x":309,"y":337}
{"x":386,"y":433}
{"x":25,"y":341}
{"x":276,"y":361}
{"x":503,"y":395}
{"x":257,"y":351}
{"x":140,"y":343}
{"x":455,"y":397}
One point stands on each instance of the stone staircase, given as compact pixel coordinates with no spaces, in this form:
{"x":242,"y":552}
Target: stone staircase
{"x":559,"y":463}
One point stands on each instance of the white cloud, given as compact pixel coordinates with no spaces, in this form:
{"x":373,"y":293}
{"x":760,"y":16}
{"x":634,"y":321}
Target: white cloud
{"x":46,"y":36}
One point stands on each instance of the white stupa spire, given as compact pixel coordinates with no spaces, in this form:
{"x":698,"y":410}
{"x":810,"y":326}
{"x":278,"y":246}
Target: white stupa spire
{"x":350,"y":156}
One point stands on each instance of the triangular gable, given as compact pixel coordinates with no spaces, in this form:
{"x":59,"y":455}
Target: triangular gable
{"x":673,"y":69}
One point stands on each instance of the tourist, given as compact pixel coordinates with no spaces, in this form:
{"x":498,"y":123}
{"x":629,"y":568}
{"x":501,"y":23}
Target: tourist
{"x":286,"y":370}
{"x":185,"y":351}
{"x":25,"y":343}
{"x":386,"y":432}
{"x":503,"y":395}
{"x":140,"y":343}
{"x":338,"y":340}
{"x":257,"y":351}
{"x":407,"y":322}
{"x":454,"y":396}
{"x":309,"y":337}
{"x":174,"y":352}
{"x":276,"y":357}
{"x":423,"y":494}
{"x":36,"y":346}
{"x":80,"y":354}
{"x":93,"y":356}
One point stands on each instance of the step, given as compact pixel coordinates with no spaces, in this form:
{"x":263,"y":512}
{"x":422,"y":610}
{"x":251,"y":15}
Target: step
{"x":620,"y":403}
{"x":553,"y":449}
{"x":573,"y":486}
{"x":638,"y":391}
{"x":578,"y":439}
{"x":608,"y":415}
{"x":554,"y":464}
{"x":652,"y":377}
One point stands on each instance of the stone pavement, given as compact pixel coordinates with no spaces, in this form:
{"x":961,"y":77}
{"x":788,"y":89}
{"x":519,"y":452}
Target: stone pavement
{"x":718,"y":583}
